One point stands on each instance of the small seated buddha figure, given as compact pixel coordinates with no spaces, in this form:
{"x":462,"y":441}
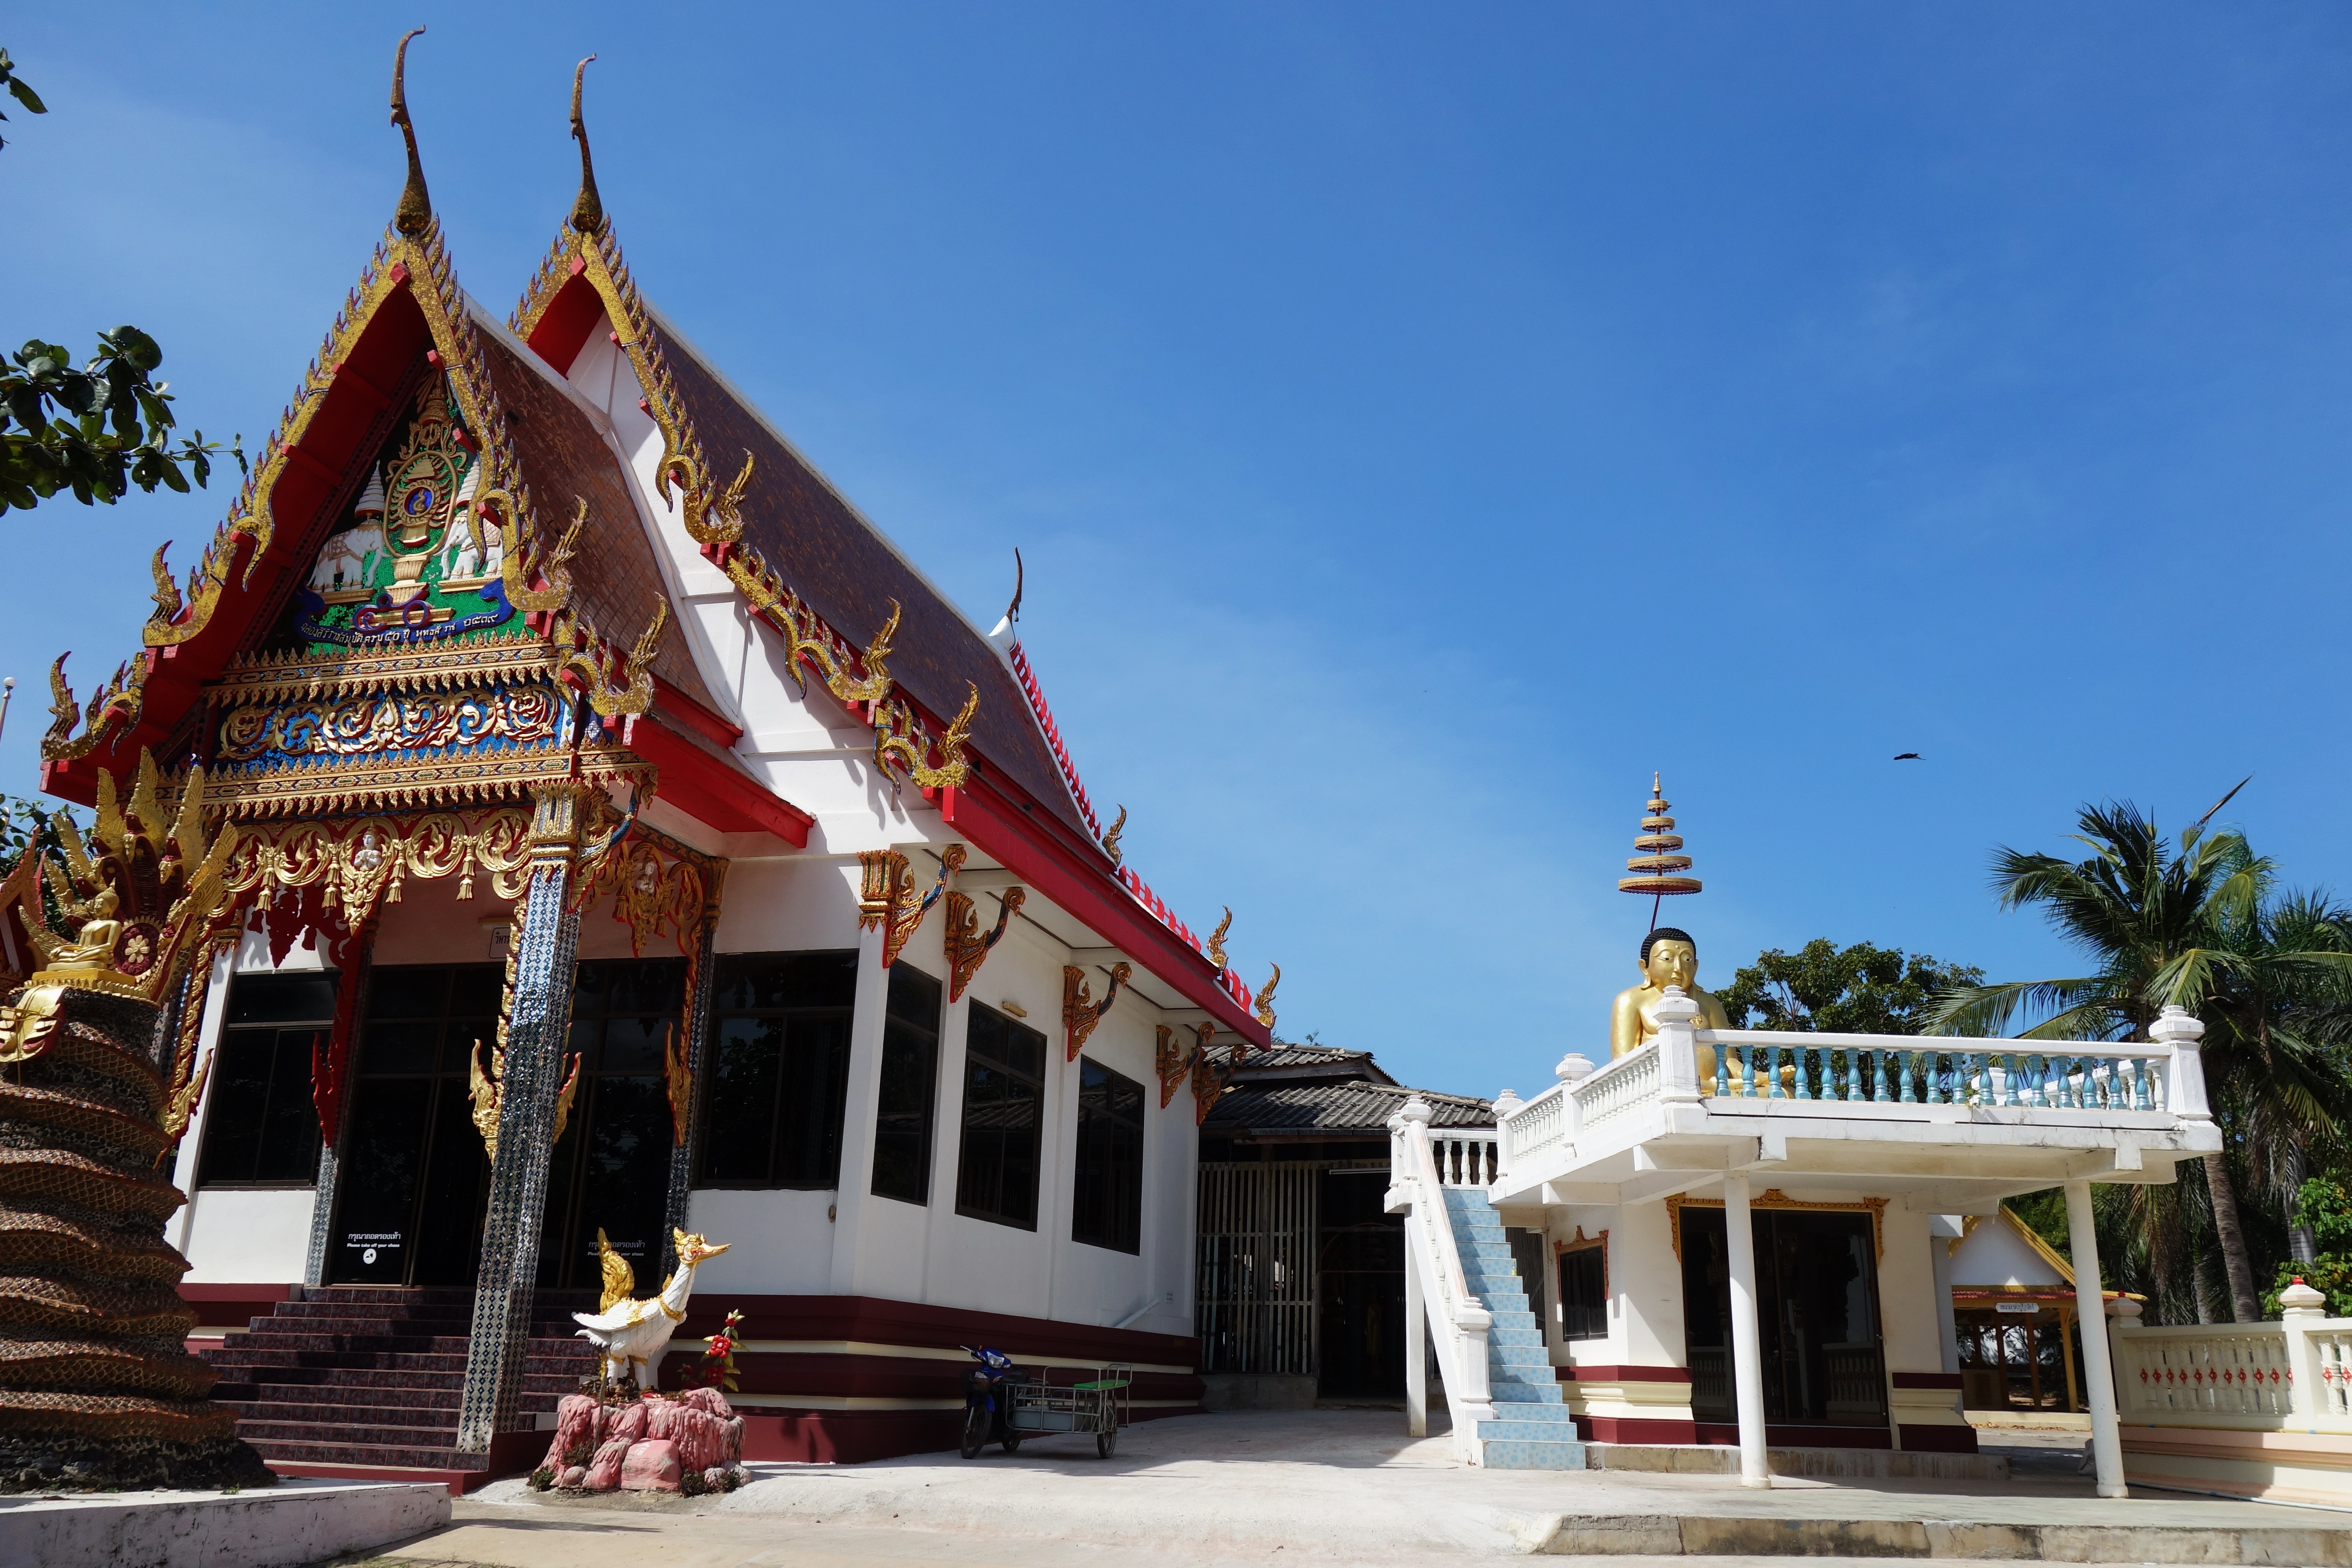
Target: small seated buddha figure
{"x":1669,"y":957}
{"x":94,"y":952}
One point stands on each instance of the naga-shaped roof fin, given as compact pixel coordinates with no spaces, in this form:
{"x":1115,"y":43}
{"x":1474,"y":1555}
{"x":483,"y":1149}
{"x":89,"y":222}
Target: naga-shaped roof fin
{"x":413,"y":216}
{"x":588,"y":209}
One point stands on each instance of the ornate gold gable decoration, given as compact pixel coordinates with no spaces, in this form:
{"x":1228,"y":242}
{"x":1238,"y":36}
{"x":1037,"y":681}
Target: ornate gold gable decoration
{"x":1080,"y":1011}
{"x":141,"y":897}
{"x":488,"y":1091}
{"x":905,"y":742}
{"x":1217,"y":938}
{"x":1774,"y":1198}
{"x":967,"y":950}
{"x":1265,"y":997}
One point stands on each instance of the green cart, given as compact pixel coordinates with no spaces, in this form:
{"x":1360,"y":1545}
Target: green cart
{"x":1100,"y":1405}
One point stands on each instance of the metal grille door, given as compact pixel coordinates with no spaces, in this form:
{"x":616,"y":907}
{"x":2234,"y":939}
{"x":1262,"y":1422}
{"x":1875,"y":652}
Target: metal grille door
{"x":1254,"y":1286}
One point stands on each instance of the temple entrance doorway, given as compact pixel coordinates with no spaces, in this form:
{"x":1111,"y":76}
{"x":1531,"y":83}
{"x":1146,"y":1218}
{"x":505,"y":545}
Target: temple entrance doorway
{"x":1817,"y":1311}
{"x":415,"y":1176}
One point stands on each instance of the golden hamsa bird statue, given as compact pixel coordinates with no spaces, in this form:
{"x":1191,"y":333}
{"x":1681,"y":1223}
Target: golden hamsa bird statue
{"x":630,"y":1336}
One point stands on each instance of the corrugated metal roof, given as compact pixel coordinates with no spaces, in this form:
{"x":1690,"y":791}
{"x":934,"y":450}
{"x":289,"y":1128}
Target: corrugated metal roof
{"x":1351,"y":1105}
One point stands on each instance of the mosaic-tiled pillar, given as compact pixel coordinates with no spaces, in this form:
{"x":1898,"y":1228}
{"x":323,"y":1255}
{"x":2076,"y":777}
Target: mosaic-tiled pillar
{"x":547,"y":940}
{"x":686,"y":1151}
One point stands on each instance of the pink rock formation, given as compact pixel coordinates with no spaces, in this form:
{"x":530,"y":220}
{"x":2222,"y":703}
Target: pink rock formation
{"x":652,"y":1466}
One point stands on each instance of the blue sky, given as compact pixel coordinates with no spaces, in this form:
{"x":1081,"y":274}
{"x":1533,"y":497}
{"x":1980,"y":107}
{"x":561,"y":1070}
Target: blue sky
{"x":1420,"y":422}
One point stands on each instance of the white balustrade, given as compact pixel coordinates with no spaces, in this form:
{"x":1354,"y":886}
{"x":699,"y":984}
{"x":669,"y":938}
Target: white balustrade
{"x":2248,"y":1377}
{"x":1630,"y":1082}
{"x":1898,"y":1069}
{"x":1458,"y":1321}
{"x":1465,"y":1158}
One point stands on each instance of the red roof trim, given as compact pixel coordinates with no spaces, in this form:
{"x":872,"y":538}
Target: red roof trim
{"x":709,"y":790}
{"x":1025,"y":842}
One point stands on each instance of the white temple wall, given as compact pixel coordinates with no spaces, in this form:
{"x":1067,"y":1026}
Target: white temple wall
{"x":1645,"y":1284}
{"x":1908,"y":1321}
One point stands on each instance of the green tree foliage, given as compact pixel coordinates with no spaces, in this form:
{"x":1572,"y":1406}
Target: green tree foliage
{"x":2204,"y":926}
{"x":96,"y":430}
{"x":1826,"y":989}
{"x":2325,"y":1207}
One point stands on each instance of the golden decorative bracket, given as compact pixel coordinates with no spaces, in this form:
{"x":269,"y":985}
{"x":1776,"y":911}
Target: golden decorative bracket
{"x":1266,"y":998}
{"x":1209,"y":1076}
{"x":1080,"y":1011}
{"x":967,"y":950}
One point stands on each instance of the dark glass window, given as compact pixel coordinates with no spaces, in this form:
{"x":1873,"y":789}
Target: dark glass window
{"x":1584,"y":1293}
{"x":610,"y":1171}
{"x":911,"y":1065}
{"x":1107,"y":1193}
{"x":259,"y":1127}
{"x":778,"y":1068}
{"x":1004,"y":1117}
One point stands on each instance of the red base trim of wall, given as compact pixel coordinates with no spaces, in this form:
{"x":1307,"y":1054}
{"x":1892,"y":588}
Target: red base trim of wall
{"x":512,"y":1453}
{"x":855,"y":1436}
{"x":1635,"y":1429}
{"x":1939,"y":1439}
{"x":1623,"y":1373}
{"x":232,"y":1306}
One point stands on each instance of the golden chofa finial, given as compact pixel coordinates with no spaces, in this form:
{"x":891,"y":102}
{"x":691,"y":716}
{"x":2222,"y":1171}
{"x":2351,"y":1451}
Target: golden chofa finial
{"x":588,"y":211}
{"x":413,"y":216}
{"x":1658,"y":869}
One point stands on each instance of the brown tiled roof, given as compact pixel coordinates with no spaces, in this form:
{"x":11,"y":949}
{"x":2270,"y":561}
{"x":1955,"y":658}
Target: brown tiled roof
{"x":1296,"y":1061}
{"x":615,"y":580}
{"x":1348,"y":1105}
{"x":848,"y":574}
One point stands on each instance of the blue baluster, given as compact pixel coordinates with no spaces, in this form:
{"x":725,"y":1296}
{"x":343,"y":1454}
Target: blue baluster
{"x":1775,"y":1093}
{"x":1804,"y":1055}
{"x":1881,"y":1090}
{"x":1722,"y":1071}
{"x":2141,"y":1099}
{"x":1907,"y":1063}
{"x":1748,"y":1073}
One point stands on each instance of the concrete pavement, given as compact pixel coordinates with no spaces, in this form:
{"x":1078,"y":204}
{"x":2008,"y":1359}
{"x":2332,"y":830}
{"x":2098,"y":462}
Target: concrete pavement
{"x":1346,"y":1486}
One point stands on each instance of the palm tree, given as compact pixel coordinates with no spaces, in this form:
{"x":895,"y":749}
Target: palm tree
{"x":2188,"y":928}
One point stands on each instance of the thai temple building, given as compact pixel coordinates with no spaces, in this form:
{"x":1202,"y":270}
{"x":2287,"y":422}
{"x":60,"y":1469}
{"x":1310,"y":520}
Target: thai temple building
{"x":643,"y":877}
{"x":634,"y":847}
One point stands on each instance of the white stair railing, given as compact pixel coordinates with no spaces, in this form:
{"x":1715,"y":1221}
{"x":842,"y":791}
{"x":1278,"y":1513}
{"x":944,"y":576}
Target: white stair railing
{"x":1458,"y":1321}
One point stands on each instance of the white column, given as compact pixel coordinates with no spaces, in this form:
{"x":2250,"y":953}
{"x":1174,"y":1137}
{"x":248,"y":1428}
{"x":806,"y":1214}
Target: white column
{"x":2185,"y":1084}
{"x":2091,"y":1313}
{"x":1416,"y":1355}
{"x":1944,"y":1229}
{"x":1747,"y":1342}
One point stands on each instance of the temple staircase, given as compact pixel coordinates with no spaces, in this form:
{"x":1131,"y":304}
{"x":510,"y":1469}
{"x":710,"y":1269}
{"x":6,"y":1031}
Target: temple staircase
{"x":1532,"y":1429}
{"x":365,"y":1383}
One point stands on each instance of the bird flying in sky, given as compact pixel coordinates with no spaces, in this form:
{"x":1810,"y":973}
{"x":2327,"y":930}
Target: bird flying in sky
{"x":1906,"y":756}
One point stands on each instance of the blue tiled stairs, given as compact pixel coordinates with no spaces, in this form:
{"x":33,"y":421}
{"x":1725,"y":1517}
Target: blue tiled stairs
{"x":1532,"y":1429}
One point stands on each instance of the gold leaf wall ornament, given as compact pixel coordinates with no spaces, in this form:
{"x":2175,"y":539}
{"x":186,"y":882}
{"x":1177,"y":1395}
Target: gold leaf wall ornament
{"x":954,"y":766}
{"x":180,"y":1106}
{"x":1210,"y":1073}
{"x":678,"y":1077}
{"x":143,"y":896}
{"x":1217,"y":938}
{"x":167,"y":592}
{"x":1172,"y":1062}
{"x":1080,"y":1012}
{"x":1110,"y":837}
{"x":27,"y":1025}
{"x":520,"y":559}
{"x":119,"y":700}
{"x":186,"y":1090}
{"x":886,"y":882}
{"x":362,"y":864}
{"x":907,"y":913}
{"x":601,"y":669}
{"x":488,"y":1091}
{"x":485,"y":1090}
{"x":1265,"y":997}
{"x":966,"y":949}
